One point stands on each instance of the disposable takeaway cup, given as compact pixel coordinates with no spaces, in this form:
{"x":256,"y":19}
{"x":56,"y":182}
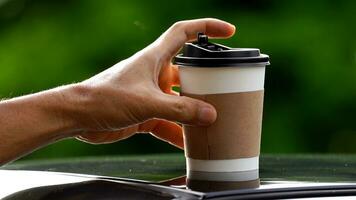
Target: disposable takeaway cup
{"x":232,"y":80}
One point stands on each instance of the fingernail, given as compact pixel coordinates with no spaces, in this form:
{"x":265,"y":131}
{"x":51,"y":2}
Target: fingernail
{"x":206,"y":116}
{"x":234,"y":27}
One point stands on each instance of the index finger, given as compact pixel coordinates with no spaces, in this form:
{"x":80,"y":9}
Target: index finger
{"x":174,"y":38}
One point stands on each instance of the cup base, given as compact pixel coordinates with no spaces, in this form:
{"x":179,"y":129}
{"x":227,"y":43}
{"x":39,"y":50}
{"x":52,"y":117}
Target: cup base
{"x":237,"y":176}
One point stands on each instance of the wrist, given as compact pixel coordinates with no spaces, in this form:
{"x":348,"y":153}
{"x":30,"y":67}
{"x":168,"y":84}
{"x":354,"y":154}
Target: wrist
{"x":71,"y":111}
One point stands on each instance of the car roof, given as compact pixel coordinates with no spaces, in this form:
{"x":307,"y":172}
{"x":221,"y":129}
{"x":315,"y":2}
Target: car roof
{"x":278,"y":173}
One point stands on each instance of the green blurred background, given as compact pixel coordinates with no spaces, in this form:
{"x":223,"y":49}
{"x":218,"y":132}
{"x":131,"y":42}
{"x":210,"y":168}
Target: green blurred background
{"x":310,"y":102}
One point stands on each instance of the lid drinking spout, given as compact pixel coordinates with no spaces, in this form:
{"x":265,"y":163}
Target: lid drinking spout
{"x":202,"y":39}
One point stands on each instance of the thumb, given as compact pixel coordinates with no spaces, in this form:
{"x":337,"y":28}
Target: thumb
{"x":185,"y":110}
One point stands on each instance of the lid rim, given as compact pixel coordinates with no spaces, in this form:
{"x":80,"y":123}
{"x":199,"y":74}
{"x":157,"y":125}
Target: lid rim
{"x":263,"y":64}
{"x":217,"y":62}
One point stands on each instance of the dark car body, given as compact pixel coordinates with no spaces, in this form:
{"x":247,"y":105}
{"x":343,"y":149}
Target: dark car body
{"x":162,"y":177}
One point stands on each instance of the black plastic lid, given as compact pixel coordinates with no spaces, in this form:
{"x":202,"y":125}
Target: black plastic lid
{"x":202,"y":53}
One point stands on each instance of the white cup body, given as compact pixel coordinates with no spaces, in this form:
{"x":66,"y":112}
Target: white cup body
{"x":218,"y":80}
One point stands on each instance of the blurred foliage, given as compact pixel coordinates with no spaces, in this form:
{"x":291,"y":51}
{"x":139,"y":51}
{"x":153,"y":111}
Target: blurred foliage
{"x":310,"y":102}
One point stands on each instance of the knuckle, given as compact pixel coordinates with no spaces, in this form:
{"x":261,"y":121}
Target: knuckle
{"x":178,"y":25}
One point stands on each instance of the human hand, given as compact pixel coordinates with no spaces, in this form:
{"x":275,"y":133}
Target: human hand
{"x":135,"y":95}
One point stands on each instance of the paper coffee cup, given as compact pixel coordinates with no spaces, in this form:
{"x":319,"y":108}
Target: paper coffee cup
{"x":232,"y":80}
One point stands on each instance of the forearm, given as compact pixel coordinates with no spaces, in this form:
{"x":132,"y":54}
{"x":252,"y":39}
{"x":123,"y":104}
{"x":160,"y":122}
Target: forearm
{"x":32,"y":121}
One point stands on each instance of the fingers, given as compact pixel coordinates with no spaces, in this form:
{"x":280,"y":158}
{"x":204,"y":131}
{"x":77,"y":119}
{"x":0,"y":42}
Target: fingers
{"x":175,"y":75}
{"x":185,"y":110}
{"x":164,"y":130}
{"x":175,"y":37}
{"x":168,"y":77}
{"x":107,"y":137}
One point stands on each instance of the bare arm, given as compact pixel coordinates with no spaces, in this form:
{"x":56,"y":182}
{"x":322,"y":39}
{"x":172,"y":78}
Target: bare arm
{"x":29,"y":122}
{"x":132,"y":96}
